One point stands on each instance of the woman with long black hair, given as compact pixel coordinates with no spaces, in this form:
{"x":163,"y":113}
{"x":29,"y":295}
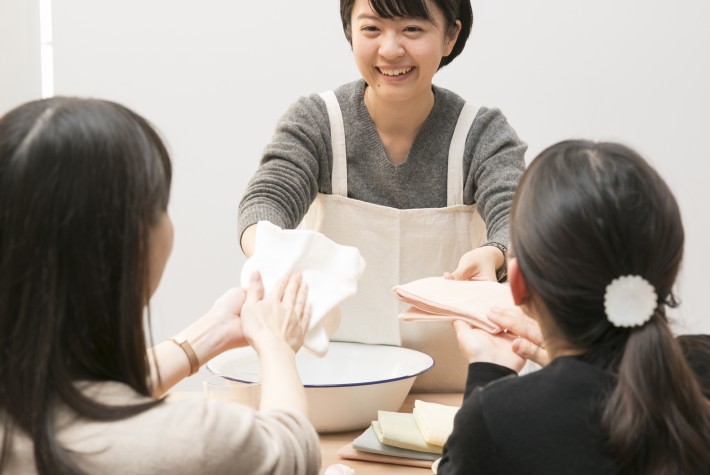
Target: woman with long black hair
{"x":597,"y":242}
{"x":84,"y":239}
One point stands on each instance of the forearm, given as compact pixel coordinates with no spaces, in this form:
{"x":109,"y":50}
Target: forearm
{"x":248,"y":240}
{"x":169,"y":364}
{"x":281,"y":386}
{"x":286,"y":182}
{"x":493,"y":254}
{"x":497,"y":163}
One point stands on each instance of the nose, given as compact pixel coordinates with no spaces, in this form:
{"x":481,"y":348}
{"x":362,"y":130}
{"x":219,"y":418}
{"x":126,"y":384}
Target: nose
{"x":391,"y":46}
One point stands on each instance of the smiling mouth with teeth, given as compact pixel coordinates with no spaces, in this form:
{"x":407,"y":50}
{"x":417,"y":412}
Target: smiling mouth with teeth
{"x":394,"y":72}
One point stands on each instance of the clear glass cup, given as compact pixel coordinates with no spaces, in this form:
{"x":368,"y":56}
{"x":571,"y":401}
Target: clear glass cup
{"x":234,"y":388}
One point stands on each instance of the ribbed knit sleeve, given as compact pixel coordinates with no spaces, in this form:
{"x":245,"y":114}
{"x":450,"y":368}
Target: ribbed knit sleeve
{"x":286,"y":182}
{"x":497,"y":163}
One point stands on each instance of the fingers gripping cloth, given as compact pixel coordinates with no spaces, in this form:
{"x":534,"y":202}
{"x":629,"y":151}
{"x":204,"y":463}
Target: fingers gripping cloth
{"x":331,"y":271}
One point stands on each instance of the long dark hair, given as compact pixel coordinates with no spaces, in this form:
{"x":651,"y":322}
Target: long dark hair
{"x":587,"y":213}
{"x":82,"y":182}
{"x":451,"y":9}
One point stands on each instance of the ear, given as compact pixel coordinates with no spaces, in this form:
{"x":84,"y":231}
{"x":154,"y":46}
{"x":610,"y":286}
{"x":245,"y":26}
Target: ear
{"x":517,"y":282}
{"x":451,"y":36}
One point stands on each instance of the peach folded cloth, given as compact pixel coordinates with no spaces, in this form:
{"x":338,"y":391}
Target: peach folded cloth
{"x":331,"y":271}
{"x":437,"y":299}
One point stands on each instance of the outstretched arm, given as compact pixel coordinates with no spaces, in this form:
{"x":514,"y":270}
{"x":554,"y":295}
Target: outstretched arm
{"x":289,"y":174}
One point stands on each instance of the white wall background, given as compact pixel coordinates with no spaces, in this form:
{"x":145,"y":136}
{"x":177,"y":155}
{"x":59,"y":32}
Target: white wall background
{"x":215,"y":75}
{"x":20,"y":75}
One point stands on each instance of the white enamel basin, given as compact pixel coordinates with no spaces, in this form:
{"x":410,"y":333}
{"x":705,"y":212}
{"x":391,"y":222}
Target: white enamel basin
{"x":347,"y":387}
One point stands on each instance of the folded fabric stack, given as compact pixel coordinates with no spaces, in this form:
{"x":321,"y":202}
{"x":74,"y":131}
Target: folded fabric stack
{"x":415,"y":439}
{"x":437,"y":299}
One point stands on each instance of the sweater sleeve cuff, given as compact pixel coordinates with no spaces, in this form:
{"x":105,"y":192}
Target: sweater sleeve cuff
{"x":500,"y":236}
{"x":480,"y":374}
{"x":253,"y":215}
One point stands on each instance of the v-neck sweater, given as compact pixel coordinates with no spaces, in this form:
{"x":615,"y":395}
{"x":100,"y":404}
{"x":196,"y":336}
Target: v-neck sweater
{"x":297,"y":164}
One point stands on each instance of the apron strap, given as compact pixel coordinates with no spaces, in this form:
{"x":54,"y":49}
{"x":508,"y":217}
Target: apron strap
{"x":337,"y":139}
{"x":454,"y":190}
{"x":456,"y":149}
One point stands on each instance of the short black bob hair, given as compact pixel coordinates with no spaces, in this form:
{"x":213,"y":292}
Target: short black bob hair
{"x":451,"y":9}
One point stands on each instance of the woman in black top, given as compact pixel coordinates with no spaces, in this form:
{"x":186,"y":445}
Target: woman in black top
{"x":620,"y":394}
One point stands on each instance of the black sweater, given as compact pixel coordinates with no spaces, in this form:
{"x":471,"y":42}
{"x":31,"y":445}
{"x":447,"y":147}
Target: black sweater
{"x":546,"y":422}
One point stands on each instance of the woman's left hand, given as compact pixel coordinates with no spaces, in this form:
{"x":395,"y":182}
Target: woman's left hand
{"x":224,"y":318}
{"x":282,"y":314}
{"x":479,"y":346}
{"x":477,"y":264}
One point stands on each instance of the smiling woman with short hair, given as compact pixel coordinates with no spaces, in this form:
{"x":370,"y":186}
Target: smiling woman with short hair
{"x":416,"y":178}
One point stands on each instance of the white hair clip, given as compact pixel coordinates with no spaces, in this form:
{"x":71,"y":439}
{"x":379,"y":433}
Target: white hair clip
{"x":629,"y":301}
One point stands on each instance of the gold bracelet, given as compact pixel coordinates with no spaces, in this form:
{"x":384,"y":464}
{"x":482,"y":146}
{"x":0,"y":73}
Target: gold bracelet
{"x":182,"y":342}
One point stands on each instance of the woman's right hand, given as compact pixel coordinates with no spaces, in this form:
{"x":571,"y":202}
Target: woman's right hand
{"x":529,"y":343}
{"x":282,"y":314}
{"x":479,"y":346}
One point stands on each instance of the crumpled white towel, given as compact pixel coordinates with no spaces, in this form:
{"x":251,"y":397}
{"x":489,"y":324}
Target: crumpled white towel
{"x":331,"y":271}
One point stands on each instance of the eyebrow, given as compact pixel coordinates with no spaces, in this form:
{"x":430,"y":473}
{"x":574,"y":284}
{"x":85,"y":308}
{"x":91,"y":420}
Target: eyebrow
{"x":367,"y":16}
{"x":371,"y":17}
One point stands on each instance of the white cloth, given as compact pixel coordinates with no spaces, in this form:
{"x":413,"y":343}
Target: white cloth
{"x":400,"y":245}
{"x":331,"y":271}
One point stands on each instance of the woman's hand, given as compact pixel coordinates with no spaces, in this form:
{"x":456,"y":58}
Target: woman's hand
{"x":529,"y":343}
{"x":479,"y":346}
{"x":224,"y":318}
{"x":280,"y":315}
{"x":478,"y":264}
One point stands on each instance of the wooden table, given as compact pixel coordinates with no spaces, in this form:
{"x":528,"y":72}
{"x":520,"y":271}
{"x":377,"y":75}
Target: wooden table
{"x":331,"y":443}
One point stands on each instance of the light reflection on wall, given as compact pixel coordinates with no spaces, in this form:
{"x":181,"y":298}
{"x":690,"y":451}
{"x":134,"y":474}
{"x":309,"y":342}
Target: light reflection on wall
{"x":47,"y":51}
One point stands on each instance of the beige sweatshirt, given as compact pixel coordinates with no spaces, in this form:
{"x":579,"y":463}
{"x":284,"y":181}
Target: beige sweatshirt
{"x":185,"y":436}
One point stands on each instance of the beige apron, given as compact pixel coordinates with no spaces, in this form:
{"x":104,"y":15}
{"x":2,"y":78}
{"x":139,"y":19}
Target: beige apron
{"x":400,"y":245}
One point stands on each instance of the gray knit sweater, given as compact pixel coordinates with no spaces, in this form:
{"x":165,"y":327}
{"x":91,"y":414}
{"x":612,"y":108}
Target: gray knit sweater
{"x":297,"y":164}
